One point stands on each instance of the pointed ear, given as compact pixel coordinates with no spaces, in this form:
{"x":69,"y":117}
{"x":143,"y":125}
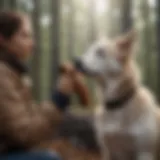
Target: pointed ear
{"x":126,"y":41}
{"x":125,"y":45}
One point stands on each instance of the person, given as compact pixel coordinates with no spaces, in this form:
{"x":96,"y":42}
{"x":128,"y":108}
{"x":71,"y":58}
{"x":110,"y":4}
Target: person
{"x":24,"y":125}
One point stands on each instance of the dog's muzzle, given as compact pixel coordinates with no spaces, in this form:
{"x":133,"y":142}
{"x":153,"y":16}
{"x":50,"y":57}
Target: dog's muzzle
{"x":79,"y":66}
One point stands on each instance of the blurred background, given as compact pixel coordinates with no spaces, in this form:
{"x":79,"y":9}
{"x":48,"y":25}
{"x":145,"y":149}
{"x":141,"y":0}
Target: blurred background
{"x":66,"y":28}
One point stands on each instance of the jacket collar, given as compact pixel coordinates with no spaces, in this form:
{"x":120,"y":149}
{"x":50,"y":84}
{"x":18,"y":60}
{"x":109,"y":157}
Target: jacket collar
{"x":13,"y":62}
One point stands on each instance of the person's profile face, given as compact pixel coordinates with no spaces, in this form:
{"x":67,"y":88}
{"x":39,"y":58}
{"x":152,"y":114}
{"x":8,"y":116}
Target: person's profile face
{"x":22,"y":43}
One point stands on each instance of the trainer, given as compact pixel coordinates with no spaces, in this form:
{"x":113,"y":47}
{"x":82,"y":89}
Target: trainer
{"x":23,"y":124}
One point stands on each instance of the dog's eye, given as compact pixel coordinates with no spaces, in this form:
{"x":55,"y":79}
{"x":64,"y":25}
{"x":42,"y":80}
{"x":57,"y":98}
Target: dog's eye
{"x":100,"y":52}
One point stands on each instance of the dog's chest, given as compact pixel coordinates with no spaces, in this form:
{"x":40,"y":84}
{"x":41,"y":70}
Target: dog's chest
{"x":119,"y":140}
{"x":122,"y":136}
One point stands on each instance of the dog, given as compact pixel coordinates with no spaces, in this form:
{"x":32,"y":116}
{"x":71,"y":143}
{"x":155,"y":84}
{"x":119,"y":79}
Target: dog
{"x":127,"y":120}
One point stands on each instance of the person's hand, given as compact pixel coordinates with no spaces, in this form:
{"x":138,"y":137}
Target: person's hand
{"x":71,"y":81}
{"x":65,"y":84}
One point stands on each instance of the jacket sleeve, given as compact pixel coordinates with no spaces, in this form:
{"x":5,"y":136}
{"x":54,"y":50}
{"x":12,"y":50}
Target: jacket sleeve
{"x":20,"y":123}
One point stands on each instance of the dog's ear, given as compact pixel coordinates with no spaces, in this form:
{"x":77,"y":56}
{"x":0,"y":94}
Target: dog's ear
{"x":126,"y":41}
{"x":125,"y":45}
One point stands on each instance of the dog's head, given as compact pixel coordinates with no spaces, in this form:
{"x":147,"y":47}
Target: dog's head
{"x":107,"y":58}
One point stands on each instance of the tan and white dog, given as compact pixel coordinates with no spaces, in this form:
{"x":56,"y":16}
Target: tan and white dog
{"x":127,"y":121}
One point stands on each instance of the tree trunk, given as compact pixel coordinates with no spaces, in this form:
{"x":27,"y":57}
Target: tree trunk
{"x":158,"y":46}
{"x":1,"y":4}
{"x":92,"y":21}
{"x":71,"y":27}
{"x":92,"y":35}
{"x":55,"y":40}
{"x":12,"y":4}
{"x":114,"y":17}
{"x":146,"y":41}
{"x":37,"y":55}
{"x":126,"y":15}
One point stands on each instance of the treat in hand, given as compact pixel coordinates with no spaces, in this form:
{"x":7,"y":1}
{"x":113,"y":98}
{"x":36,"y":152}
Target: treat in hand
{"x":77,"y":83}
{"x":65,"y":84}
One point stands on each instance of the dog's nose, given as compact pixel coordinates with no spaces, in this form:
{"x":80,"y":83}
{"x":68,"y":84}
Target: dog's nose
{"x":79,"y":65}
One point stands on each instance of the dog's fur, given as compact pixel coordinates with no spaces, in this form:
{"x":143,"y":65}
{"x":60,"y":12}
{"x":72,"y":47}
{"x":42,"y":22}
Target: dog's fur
{"x":132,"y":131}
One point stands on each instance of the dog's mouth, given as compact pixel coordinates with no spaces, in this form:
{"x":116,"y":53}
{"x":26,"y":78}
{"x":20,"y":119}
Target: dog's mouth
{"x":81,"y":68}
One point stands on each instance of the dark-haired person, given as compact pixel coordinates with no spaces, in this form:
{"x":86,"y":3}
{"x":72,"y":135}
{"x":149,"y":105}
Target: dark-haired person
{"x":23,"y":124}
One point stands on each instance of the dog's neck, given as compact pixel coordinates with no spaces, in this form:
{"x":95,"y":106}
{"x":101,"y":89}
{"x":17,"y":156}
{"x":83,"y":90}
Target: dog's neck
{"x":119,"y":88}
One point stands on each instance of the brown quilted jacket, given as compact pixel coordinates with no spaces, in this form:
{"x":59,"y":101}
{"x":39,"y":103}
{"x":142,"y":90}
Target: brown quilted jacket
{"x":23,"y":123}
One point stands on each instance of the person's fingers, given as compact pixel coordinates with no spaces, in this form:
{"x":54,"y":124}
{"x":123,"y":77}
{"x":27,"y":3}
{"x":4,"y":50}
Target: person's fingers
{"x":67,"y":68}
{"x":65,"y":84}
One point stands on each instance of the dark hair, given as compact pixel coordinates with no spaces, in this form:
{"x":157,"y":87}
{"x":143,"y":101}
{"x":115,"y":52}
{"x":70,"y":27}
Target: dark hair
{"x":10,"y":22}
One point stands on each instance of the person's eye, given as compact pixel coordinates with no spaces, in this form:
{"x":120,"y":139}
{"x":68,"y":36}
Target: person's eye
{"x":101,"y":53}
